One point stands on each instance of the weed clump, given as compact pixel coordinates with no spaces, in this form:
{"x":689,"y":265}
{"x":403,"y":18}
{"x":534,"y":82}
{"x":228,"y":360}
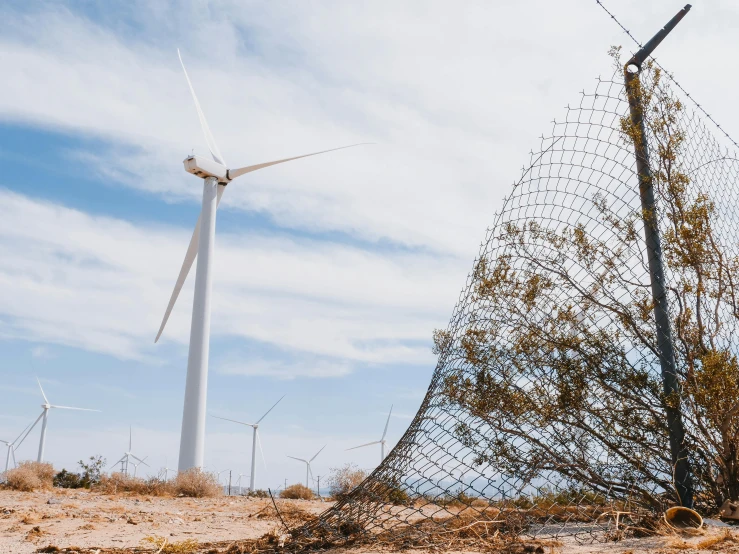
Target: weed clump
{"x":197,"y":483}
{"x":30,"y":476}
{"x":297,"y":492}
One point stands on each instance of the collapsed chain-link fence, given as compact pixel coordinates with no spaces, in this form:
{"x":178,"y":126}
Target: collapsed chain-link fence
{"x":545,"y":416}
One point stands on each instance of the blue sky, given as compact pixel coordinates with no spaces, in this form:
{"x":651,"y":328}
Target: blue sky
{"x":331,"y":272}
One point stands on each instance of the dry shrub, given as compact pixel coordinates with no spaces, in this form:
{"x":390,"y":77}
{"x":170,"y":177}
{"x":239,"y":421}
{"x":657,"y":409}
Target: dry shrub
{"x":29,"y":476}
{"x":342,"y":480}
{"x":297,"y":492}
{"x":119,"y":483}
{"x":197,"y":483}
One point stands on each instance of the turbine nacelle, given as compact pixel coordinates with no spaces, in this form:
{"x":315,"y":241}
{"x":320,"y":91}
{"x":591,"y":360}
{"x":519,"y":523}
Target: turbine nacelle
{"x":204,"y":168}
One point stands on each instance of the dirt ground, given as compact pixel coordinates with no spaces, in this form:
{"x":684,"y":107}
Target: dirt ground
{"x":77,"y":520}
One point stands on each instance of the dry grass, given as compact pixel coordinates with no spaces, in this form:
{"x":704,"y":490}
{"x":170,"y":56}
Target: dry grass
{"x":292,"y":515}
{"x":197,"y":483}
{"x":163,"y":546}
{"x":35,"y":533}
{"x":30,"y":476}
{"x":297,"y":492}
{"x":30,"y":518}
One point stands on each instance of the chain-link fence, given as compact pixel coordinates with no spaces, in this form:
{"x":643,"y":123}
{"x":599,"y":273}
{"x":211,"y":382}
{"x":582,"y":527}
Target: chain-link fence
{"x":545,"y":416}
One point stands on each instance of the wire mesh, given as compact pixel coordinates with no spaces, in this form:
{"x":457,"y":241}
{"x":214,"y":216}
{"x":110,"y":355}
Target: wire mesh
{"x":545,"y":417}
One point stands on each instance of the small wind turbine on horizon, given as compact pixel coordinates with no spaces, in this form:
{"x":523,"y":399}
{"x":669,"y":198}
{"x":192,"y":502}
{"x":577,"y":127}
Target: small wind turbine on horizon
{"x":308,"y":471}
{"x":216,"y":176}
{"x":45,"y":415}
{"x":165,"y":470}
{"x":136,"y":466}
{"x":12,"y":445}
{"x":382,"y":442}
{"x":126,"y":458}
{"x":254,"y":441}
{"x":238,"y":481}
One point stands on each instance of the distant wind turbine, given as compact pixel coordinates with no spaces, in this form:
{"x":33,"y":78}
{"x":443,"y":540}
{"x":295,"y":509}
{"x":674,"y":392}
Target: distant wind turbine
{"x":45,"y":416}
{"x":166,"y":469}
{"x":238,"y":481}
{"x":308,"y":471}
{"x":216,"y":176}
{"x":382,"y":442}
{"x":12,"y":445}
{"x":136,"y":466}
{"x":254,"y":441}
{"x":126,"y":458}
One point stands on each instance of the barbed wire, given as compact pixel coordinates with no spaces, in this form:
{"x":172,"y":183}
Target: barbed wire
{"x":669,"y":75}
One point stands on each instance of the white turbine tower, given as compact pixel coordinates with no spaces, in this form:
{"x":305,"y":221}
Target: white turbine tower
{"x":126,"y":458}
{"x":216,"y":176}
{"x":382,"y":442}
{"x":254,"y":441}
{"x":45,"y":416}
{"x":308,"y":471}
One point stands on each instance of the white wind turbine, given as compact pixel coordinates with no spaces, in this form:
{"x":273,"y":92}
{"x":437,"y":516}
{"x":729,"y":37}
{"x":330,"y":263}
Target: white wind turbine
{"x":254,"y":441}
{"x":12,"y":445}
{"x":45,"y":415}
{"x":238,"y":481}
{"x":216,"y":176}
{"x":308,"y":471}
{"x":136,"y":466}
{"x":126,"y":458}
{"x":165,"y":470}
{"x":382,"y":442}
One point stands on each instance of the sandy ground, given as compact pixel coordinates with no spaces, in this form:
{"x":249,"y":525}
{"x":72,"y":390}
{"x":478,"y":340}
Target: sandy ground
{"x":71,"y":520}
{"x":64,"y":518}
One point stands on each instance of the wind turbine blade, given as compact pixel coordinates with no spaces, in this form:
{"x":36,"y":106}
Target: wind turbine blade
{"x":118,"y":462}
{"x":71,"y":408}
{"x":248,"y":169}
{"x":210,"y":141}
{"x":141,"y":461}
{"x":130,"y":438}
{"x":26,"y":429}
{"x":299,"y":459}
{"x":259,"y":442}
{"x":387,"y":423}
{"x":317,"y":453}
{"x":5,"y":442}
{"x":268,"y":411}
{"x":190,"y":255}
{"x":232,"y":420}
{"x":42,"y":390}
{"x":363,"y":445}
{"x":29,"y":431}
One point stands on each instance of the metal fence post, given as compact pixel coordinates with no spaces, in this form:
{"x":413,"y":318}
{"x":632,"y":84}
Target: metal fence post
{"x":671,"y":387}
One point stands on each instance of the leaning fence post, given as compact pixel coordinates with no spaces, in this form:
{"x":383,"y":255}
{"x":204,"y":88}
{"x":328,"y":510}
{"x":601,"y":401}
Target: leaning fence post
{"x":671,"y":387}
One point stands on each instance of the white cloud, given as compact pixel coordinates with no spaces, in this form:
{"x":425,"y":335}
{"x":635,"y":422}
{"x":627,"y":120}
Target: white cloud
{"x":285,"y":370}
{"x":101,"y":284}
